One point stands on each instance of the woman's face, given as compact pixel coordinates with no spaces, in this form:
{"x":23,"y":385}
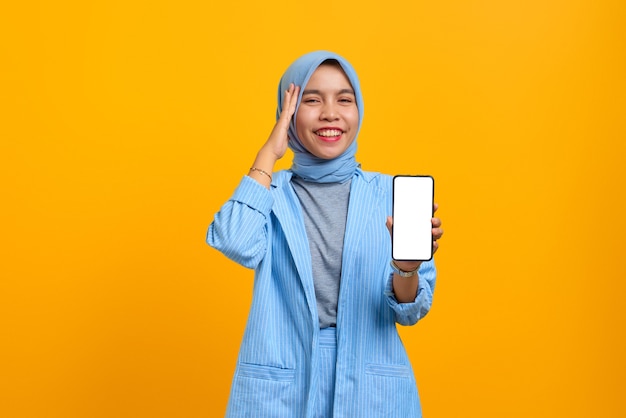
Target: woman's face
{"x":328,"y":119}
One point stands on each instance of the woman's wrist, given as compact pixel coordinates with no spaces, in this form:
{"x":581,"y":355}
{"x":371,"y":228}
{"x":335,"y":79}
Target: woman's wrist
{"x":405,"y":284}
{"x":263,"y":166}
{"x":405,"y":268}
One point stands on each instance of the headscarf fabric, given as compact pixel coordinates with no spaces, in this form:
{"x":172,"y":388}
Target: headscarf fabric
{"x":306,"y":165}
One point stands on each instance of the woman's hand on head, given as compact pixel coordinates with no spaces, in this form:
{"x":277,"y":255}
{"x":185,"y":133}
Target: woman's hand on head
{"x":276,"y":145}
{"x":278,"y":141}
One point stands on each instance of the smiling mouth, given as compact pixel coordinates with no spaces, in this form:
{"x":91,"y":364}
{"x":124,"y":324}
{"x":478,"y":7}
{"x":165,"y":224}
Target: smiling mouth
{"x":329,"y":133}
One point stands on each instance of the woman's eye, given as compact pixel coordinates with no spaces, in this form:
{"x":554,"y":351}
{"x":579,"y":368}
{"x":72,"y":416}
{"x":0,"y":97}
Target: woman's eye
{"x":310,"y":100}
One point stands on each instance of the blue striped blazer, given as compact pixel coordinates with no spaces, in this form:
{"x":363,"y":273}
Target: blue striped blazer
{"x":276,"y":373}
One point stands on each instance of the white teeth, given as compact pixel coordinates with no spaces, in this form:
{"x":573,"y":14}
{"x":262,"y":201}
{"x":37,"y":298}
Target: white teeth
{"x":329,"y":132}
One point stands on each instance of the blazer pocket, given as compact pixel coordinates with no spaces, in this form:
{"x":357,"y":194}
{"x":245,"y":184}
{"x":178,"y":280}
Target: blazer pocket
{"x":258,"y":371}
{"x":389,"y":370}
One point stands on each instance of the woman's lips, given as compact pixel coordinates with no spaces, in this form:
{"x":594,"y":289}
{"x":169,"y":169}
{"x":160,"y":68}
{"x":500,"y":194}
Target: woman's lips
{"x":329,"y":134}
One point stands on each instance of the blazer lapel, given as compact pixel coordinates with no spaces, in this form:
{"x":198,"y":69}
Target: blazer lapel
{"x":288,"y":211}
{"x":364,"y":202}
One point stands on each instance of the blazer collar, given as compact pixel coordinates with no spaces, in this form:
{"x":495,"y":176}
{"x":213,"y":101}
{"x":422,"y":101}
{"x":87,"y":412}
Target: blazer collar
{"x":287,"y":209}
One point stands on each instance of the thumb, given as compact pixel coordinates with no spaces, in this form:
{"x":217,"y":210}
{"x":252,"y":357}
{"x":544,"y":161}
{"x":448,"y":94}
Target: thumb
{"x":389,"y":223}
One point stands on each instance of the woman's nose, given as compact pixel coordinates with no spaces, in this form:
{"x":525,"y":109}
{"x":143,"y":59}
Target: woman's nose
{"x":329,"y":112}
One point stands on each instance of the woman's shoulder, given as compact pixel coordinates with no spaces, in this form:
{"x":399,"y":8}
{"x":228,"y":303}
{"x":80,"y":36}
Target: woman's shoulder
{"x":375,"y":178}
{"x":280,"y":178}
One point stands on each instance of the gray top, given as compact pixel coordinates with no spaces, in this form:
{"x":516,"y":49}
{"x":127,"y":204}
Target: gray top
{"x":325,"y":209}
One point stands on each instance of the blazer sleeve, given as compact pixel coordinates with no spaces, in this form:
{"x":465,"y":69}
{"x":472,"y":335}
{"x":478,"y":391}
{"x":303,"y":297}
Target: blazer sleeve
{"x":240,"y":229}
{"x":410,"y":313}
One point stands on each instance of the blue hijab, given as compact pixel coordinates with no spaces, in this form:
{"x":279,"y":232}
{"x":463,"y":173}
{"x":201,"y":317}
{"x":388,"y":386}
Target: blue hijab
{"x":305,"y":164}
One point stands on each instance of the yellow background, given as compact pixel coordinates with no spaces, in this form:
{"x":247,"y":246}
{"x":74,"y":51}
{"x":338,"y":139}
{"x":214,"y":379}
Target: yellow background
{"x":125,"y":125}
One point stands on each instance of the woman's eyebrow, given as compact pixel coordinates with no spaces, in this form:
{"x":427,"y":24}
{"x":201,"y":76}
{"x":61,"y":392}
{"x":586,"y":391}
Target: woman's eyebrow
{"x":342,"y":91}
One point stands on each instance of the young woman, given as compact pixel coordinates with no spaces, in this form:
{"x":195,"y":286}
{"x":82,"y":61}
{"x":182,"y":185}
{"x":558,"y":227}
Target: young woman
{"x":321,"y":338}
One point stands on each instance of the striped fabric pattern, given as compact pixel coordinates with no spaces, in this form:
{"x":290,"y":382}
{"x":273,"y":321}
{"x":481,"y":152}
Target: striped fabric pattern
{"x":278,"y":370}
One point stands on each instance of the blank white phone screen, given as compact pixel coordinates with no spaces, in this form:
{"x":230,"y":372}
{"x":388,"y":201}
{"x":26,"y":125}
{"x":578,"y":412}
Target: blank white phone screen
{"x":412,"y":215}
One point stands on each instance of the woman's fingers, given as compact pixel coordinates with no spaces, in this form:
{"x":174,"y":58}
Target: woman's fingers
{"x":289,"y":104}
{"x":437,"y":229}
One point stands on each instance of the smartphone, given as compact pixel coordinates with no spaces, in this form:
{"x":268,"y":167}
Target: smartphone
{"x":412,"y":230}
